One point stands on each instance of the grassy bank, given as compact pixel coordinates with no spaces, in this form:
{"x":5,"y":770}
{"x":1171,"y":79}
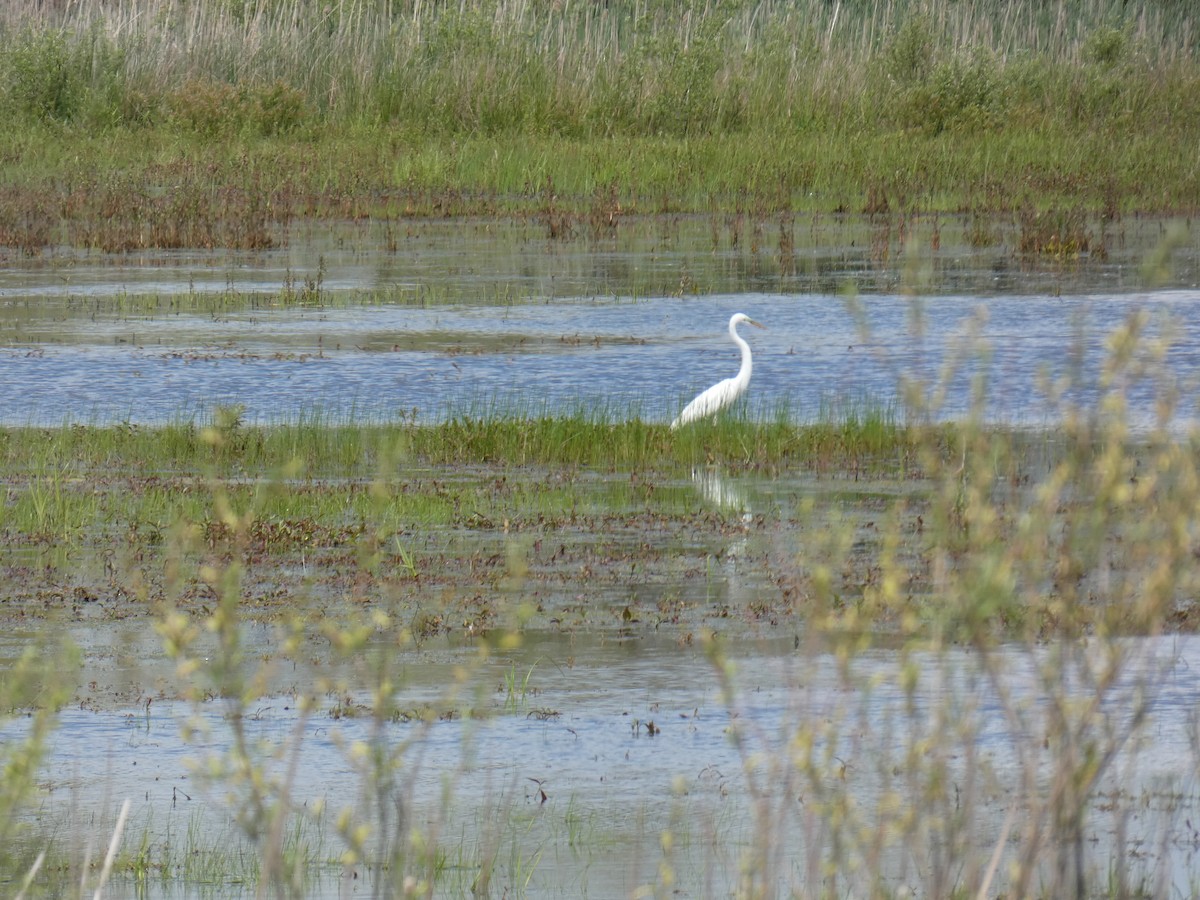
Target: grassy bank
{"x":202,"y":124}
{"x":318,"y":449}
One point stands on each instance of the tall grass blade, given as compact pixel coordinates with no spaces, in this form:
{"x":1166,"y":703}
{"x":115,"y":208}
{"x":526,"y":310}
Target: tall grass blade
{"x":113,"y":845}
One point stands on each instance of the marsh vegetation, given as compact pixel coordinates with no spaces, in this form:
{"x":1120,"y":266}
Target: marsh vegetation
{"x":209,"y":124}
{"x":902,"y":599}
{"x":930,"y":631}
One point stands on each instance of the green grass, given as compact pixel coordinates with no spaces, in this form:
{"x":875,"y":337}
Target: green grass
{"x":670,"y":67}
{"x":576,"y":115}
{"x":313,"y":484}
{"x":48,"y":458}
{"x":149,"y":861}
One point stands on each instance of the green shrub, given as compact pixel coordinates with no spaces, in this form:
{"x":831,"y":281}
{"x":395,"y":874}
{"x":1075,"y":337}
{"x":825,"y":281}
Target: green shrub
{"x":213,"y":108}
{"x":908,"y":56}
{"x":39,"y":77}
{"x":965,"y":92}
{"x":1106,"y":46}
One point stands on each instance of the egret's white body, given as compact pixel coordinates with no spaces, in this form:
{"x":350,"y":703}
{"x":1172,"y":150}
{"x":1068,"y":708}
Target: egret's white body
{"x":723,"y":393}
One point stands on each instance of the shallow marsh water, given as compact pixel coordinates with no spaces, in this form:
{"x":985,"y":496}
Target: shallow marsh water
{"x":494,"y":317}
{"x":629,"y":739}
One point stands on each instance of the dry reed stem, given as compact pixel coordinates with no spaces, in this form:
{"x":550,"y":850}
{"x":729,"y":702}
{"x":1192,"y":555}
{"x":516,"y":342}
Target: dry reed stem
{"x":111,"y":856}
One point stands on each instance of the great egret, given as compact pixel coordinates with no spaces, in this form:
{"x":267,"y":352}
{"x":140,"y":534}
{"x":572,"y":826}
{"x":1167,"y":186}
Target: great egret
{"x":723,"y":393}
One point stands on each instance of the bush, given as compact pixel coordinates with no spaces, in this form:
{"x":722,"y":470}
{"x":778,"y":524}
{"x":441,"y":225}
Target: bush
{"x":908,"y":57}
{"x":1106,"y":46}
{"x":213,"y":108}
{"x":965,"y":92}
{"x":39,"y":79}
{"x":962,"y":90}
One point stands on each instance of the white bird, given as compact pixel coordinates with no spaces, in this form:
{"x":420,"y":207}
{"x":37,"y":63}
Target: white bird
{"x":723,"y":393}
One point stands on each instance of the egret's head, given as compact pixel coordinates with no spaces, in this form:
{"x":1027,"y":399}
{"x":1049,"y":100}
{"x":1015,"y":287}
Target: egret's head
{"x":739,"y":318}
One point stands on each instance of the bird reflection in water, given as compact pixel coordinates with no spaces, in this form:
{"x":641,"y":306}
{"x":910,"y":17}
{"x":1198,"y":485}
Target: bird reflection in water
{"x":724,"y":495}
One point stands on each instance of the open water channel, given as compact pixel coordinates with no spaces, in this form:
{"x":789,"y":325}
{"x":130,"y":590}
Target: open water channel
{"x":489,"y":318}
{"x":569,"y":787}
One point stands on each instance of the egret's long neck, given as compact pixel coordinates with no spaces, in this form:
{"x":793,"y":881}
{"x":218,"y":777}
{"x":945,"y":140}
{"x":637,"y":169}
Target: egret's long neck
{"x":743,"y":374}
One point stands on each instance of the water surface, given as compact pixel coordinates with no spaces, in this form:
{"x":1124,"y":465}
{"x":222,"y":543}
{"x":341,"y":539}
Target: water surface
{"x":498,"y":318}
{"x":488,"y":318}
{"x":615,"y":742}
